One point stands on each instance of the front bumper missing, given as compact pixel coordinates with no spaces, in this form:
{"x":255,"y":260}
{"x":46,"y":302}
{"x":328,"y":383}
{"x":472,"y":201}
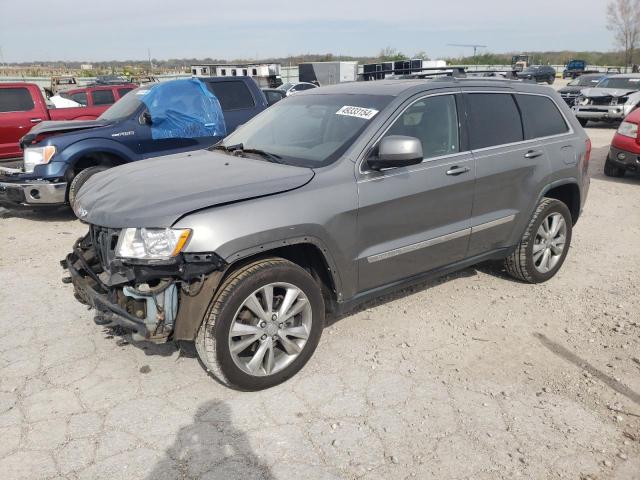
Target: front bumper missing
{"x":172,"y":310}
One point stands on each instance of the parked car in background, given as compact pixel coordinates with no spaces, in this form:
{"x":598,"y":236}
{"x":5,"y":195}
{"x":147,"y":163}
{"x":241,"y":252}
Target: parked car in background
{"x":274,"y":95}
{"x":327,"y":199}
{"x":574,"y":87}
{"x":153,"y":120}
{"x":22,"y":105}
{"x":612,"y":99}
{"x":98,"y":96}
{"x":292,"y":88}
{"x":538,"y":73}
{"x":576,"y":68}
{"x":624,"y":154}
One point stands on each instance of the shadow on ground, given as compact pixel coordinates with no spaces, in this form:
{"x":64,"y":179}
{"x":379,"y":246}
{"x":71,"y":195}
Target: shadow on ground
{"x":211,"y":448}
{"x":41,"y":214}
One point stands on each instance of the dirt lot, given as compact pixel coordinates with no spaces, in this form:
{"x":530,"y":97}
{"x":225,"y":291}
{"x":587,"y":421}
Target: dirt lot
{"x":471,"y":376}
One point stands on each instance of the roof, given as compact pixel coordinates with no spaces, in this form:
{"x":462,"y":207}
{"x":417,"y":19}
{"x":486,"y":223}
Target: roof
{"x":624,"y":75}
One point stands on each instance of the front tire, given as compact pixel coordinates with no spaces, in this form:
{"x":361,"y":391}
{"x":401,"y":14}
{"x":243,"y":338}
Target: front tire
{"x":611,"y":170}
{"x":80,"y":179}
{"x":544,"y":245}
{"x":264,"y":324}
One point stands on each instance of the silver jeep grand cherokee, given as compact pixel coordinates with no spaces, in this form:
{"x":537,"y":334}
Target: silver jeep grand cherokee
{"x":326,"y":199}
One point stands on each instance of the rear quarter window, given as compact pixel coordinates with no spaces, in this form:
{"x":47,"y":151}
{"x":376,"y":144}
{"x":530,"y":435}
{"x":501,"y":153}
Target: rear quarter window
{"x":80,"y":97}
{"x":541,"y":117}
{"x":494,"y":119}
{"x":15,"y":100}
{"x":123,"y":91}
{"x":232,"y":95}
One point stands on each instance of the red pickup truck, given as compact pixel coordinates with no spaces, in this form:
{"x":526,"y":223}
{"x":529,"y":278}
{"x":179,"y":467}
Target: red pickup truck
{"x":22,"y":105}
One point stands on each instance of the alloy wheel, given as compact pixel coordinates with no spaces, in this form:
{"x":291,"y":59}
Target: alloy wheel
{"x":270,"y":329}
{"x":549,"y":242}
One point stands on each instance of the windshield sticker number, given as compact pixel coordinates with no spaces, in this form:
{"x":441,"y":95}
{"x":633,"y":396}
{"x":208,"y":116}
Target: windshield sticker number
{"x":358,"y":112}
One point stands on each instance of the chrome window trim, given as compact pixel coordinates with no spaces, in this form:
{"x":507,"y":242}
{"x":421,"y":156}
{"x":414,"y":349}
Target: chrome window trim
{"x":363,"y":158}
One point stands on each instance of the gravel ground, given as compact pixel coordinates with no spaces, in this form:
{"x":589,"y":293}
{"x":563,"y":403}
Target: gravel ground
{"x":470,"y":376}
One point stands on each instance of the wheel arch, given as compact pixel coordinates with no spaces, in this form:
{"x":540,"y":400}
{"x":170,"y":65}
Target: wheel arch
{"x":568,"y":192}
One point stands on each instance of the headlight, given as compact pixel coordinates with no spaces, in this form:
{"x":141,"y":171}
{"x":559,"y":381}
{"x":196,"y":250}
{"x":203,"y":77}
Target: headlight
{"x":37,"y":156}
{"x":628,"y":129}
{"x":151,"y":243}
{"x":582,"y":101}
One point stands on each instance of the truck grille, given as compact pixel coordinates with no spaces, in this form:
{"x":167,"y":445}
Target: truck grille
{"x":105,"y":241}
{"x":600,"y":101}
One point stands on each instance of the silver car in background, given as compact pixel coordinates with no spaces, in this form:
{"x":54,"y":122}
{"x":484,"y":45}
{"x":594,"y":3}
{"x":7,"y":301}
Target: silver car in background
{"x":610,"y":100}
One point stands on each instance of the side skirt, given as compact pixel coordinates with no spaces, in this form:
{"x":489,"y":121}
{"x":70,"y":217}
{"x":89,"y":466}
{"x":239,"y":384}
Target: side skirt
{"x":346,"y":306}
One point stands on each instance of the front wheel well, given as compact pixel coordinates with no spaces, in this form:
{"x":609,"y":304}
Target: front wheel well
{"x":569,"y":194}
{"x":94,"y":159}
{"x":305,"y":255}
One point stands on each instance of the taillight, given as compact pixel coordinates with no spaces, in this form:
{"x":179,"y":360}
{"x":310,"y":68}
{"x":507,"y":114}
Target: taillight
{"x":587,"y":154}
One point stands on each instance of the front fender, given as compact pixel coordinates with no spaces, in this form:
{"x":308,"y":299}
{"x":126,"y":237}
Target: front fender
{"x":77,"y":150}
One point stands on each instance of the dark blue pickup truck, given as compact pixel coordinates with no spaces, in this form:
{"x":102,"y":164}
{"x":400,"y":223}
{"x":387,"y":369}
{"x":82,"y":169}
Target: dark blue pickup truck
{"x":151,"y":121}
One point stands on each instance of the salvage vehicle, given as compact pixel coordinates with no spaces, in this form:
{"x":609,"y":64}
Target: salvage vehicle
{"x":520,"y":62}
{"x":324,"y":200}
{"x":274,"y":95}
{"x":293,"y":88}
{"x":22,"y":106}
{"x":572,"y":91}
{"x":156,"y":119}
{"x":624,"y":153}
{"x":576,"y":68}
{"x":612,"y":99}
{"x":538,"y":73}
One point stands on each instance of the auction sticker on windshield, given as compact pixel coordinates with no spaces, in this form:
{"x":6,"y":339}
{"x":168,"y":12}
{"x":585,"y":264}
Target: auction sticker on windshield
{"x":358,"y":112}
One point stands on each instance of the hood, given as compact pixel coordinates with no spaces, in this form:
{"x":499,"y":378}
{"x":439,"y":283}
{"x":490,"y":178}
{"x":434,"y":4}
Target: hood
{"x":572,"y":89}
{"x":158,"y":191}
{"x":59,"y":126}
{"x":606,"y":92}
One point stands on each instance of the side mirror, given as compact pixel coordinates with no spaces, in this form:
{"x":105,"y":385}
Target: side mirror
{"x":145,"y":118}
{"x":397,"y":151}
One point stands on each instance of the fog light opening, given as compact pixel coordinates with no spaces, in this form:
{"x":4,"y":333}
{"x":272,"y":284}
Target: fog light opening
{"x":621,"y":156}
{"x":35,"y":194}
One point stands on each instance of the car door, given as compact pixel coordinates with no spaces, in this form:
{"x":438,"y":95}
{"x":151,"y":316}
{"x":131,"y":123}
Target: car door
{"x":414,"y":219}
{"x":18,"y":113}
{"x":236,"y":100}
{"x":508,"y":168}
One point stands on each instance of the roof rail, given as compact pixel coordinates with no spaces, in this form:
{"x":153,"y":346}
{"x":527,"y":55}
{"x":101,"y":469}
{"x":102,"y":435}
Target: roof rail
{"x":423,"y":72}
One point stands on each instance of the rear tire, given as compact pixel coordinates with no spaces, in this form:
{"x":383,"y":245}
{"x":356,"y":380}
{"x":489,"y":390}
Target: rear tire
{"x":269,"y":358}
{"x":528,"y":265}
{"x":551,"y":79}
{"x":611,"y":170}
{"x":80,"y":179}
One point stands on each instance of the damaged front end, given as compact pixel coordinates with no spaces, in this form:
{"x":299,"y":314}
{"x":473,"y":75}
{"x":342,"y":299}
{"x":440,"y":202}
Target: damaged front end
{"x":159,"y":300}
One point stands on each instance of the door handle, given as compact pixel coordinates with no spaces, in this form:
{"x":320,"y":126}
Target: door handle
{"x":532,"y":154}
{"x":457,"y":170}
{"x":35,"y":120}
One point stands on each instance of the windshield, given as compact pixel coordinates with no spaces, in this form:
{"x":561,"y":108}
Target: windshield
{"x":126,"y":106}
{"x":620,"y":82}
{"x":309,"y":130}
{"x":285,"y":86}
{"x":584,"y":81}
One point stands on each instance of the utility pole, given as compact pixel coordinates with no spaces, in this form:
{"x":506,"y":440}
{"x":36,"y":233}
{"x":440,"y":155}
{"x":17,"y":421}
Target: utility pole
{"x":150,"y":62}
{"x":475,"y":46}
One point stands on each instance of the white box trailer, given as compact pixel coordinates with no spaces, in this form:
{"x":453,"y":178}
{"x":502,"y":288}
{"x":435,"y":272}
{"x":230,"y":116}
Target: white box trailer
{"x":265,"y":74}
{"x":328,"y":73}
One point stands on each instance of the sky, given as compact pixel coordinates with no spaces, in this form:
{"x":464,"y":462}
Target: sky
{"x":126,"y":29}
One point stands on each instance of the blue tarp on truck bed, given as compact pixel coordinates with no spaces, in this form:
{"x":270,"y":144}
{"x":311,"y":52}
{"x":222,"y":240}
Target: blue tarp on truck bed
{"x":184,"y":109}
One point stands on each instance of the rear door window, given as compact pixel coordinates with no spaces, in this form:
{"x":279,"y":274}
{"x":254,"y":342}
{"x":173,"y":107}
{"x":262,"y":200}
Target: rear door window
{"x":15,"y":100}
{"x":102,"y":97}
{"x":494,"y":120}
{"x":123,"y":91}
{"x":232,"y":95}
{"x":80,"y":97}
{"x":541,"y":117}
